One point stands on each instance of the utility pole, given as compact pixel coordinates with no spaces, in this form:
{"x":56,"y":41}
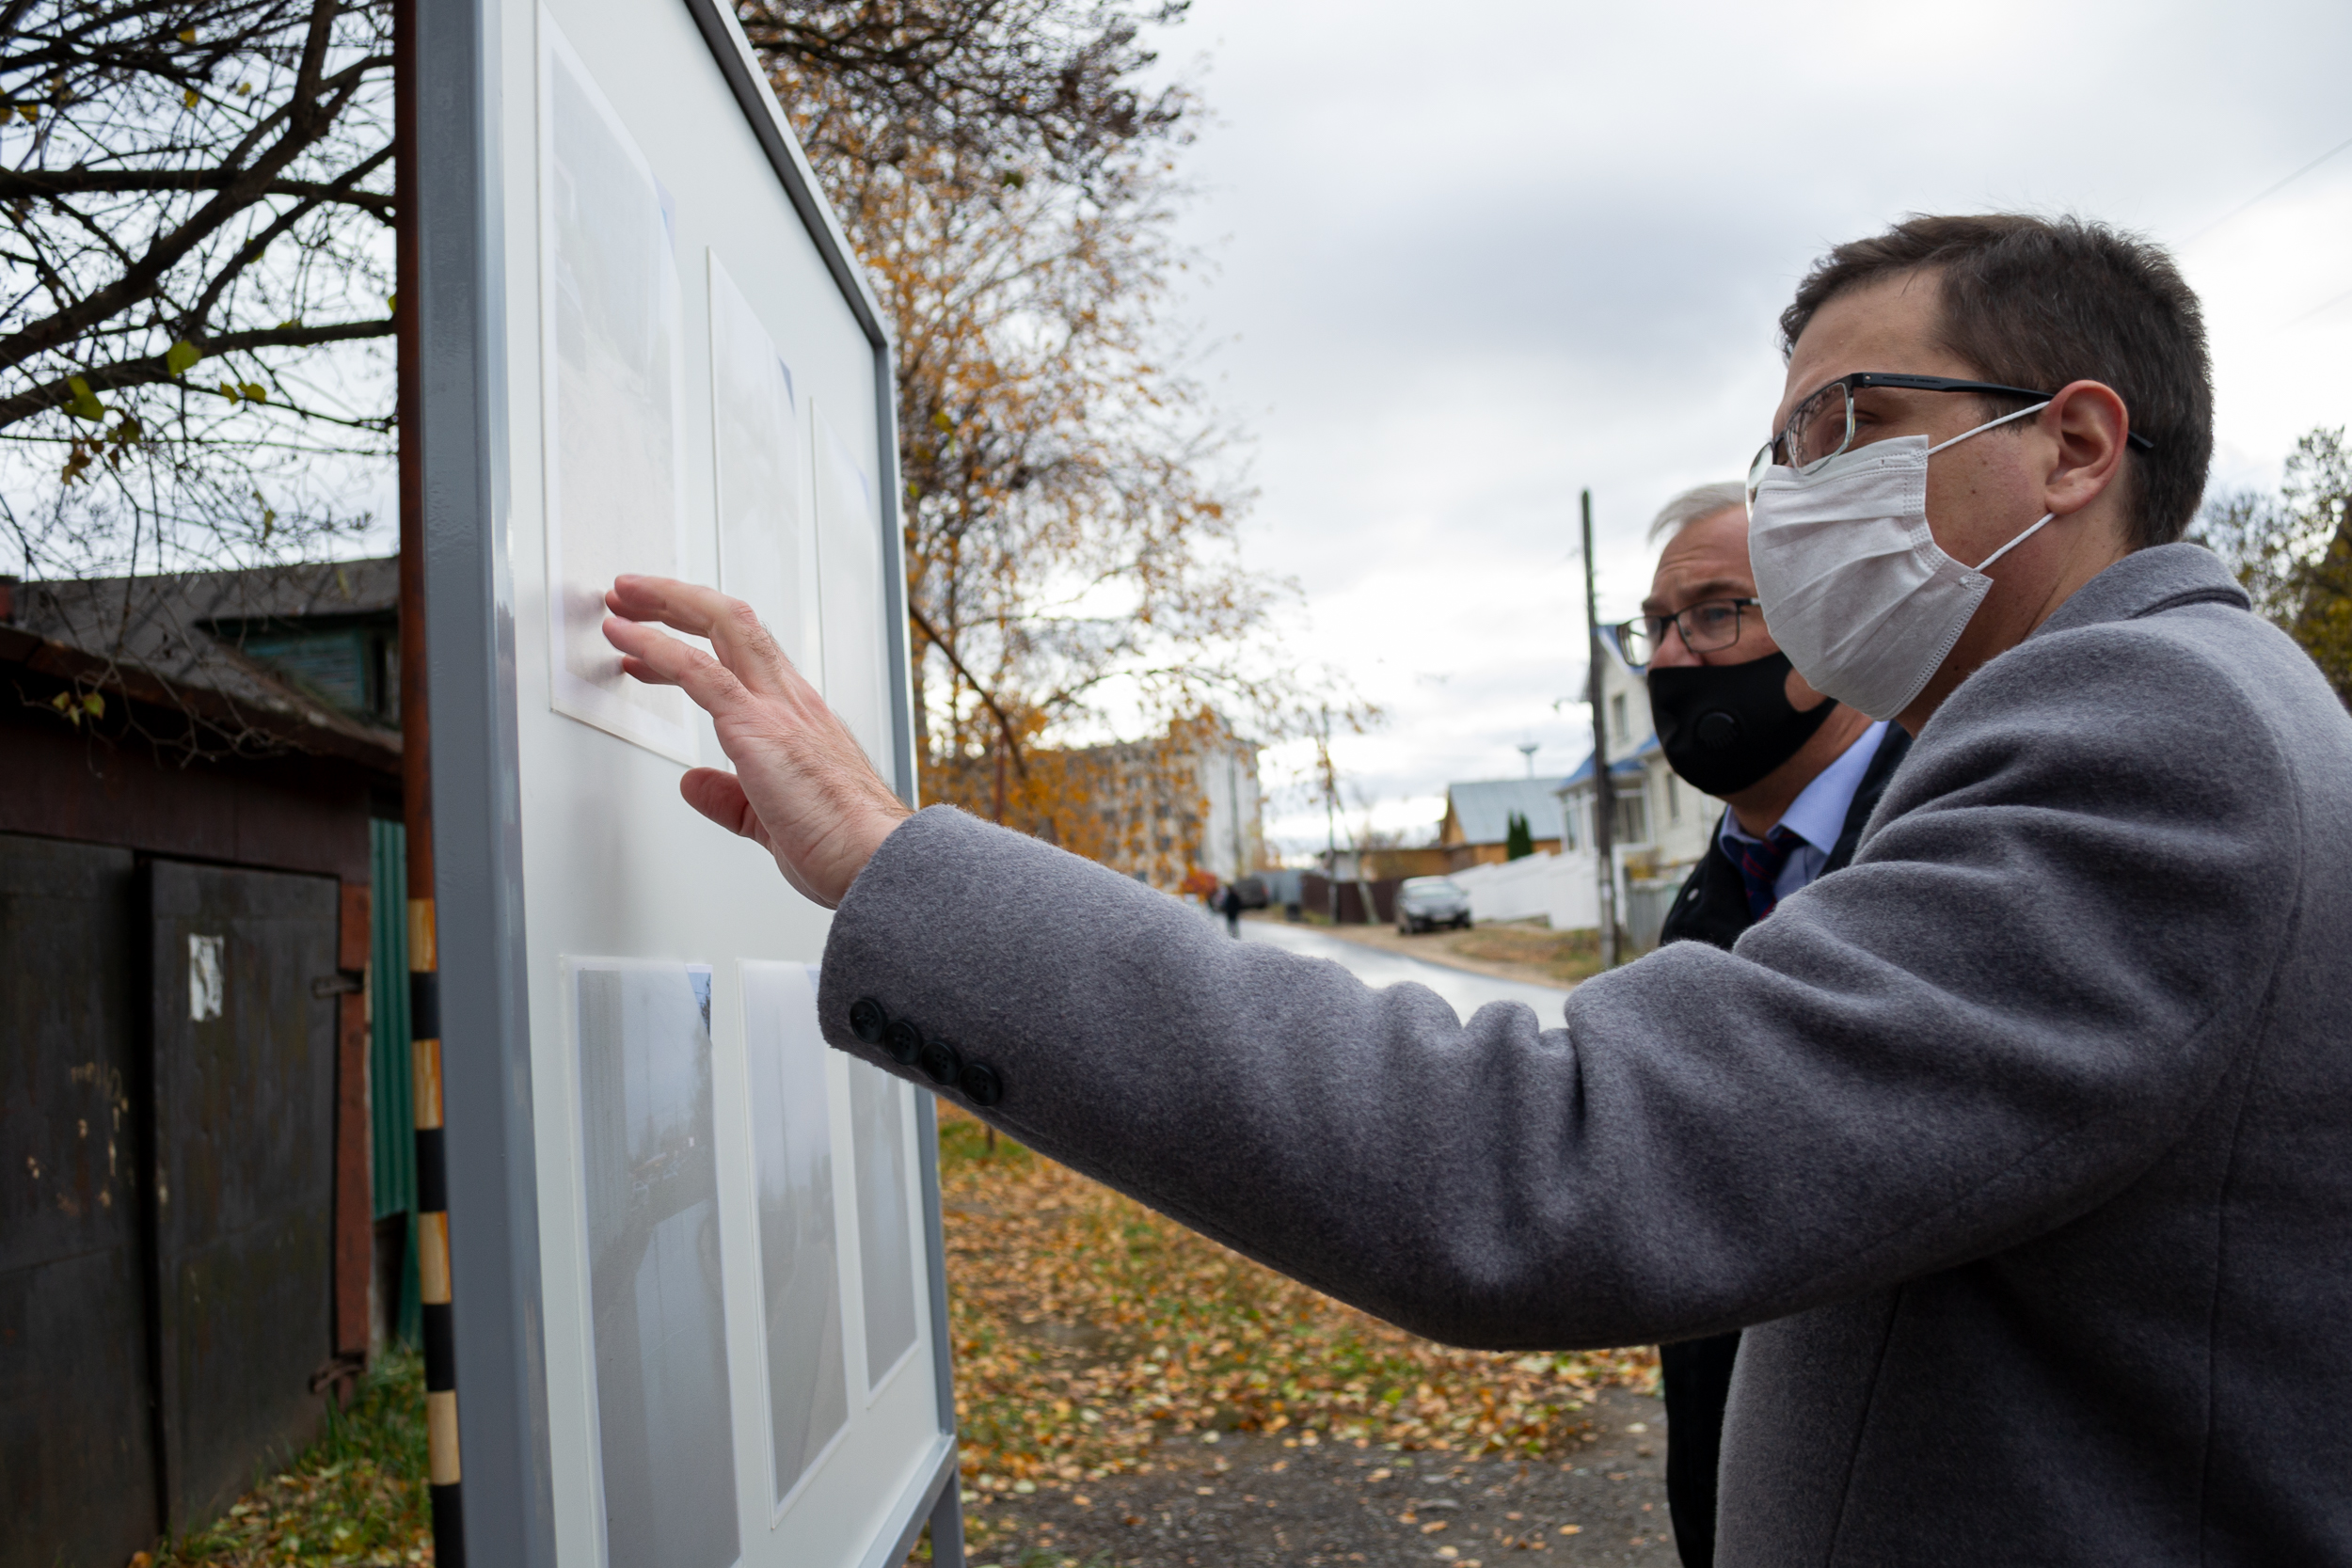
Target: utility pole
{"x":1330,"y":782}
{"x":1604,"y":796}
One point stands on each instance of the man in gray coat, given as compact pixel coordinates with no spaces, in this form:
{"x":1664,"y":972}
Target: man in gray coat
{"x":2022,"y":1146}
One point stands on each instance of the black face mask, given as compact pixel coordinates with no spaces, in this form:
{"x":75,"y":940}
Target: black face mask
{"x":1724,"y":726}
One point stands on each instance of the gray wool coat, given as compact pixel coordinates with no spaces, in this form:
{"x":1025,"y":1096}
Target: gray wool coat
{"x":2023,"y":1146}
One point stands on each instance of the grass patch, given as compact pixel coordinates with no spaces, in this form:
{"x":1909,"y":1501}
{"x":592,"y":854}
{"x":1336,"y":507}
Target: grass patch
{"x":1567,"y":957}
{"x":1087,"y":1329}
{"x":356,"y":1497}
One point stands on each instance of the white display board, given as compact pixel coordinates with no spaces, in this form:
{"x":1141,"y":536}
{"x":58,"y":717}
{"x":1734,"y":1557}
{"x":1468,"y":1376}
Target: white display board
{"x":701,"y":1324}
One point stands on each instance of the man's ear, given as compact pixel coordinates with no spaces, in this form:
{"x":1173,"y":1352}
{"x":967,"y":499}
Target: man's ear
{"x":2091,"y":426}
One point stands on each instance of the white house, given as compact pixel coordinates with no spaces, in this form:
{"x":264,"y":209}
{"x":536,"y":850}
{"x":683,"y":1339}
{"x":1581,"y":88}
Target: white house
{"x":1662,"y":826}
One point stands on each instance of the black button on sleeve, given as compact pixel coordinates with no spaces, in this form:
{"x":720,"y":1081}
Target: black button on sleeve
{"x":867,"y":1020}
{"x":940,"y":1062}
{"x":980,"y":1085}
{"x":904,"y":1040}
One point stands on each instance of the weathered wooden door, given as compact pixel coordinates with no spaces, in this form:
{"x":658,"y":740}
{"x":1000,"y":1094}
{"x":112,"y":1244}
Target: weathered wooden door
{"x":77,"y":1455}
{"x":243,"y":1075}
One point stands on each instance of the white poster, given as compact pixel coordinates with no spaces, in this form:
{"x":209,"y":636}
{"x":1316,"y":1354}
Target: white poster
{"x":849,"y":563}
{"x":665,"y":1450}
{"x":879,"y":1112}
{"x":611,"y":333}
{"x":800,"y":1267}
{"x":766,"y":552}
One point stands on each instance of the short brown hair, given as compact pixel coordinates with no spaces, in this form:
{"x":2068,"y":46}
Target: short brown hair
{"x":2040,"y":301}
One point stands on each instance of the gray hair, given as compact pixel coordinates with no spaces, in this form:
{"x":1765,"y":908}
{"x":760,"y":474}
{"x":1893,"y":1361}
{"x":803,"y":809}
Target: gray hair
{"x":1692,"y":505}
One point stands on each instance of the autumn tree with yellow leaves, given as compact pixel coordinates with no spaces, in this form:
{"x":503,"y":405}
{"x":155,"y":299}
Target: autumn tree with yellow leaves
{"x":1071,"y":503}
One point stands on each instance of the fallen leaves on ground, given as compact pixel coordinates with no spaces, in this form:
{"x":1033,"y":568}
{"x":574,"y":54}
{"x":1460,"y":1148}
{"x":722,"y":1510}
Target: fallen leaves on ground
{"x":356,"y":1497}
{"x":1087,"y":1329}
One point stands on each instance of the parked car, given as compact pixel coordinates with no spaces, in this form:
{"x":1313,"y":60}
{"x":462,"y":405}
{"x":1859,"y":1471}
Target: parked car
{"x":1426,"y":903}
{"x":1252,"y":891}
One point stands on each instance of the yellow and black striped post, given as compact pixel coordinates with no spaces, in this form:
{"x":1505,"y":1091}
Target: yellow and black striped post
{"x":433,"y":1282}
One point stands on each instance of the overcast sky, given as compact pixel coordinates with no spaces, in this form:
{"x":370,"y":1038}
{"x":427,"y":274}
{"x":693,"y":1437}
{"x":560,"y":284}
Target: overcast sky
{"x":1471,"y":259}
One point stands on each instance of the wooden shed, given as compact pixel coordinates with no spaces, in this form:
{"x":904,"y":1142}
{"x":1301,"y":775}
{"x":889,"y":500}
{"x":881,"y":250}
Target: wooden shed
{"x":199,"y":769}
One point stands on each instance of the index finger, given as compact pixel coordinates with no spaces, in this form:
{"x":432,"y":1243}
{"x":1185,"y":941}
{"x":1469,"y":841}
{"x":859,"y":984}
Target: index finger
{"x":741,"y":643}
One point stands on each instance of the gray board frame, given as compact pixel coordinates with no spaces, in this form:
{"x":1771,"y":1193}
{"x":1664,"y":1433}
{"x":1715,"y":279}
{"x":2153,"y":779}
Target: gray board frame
{"x":478,"y":882}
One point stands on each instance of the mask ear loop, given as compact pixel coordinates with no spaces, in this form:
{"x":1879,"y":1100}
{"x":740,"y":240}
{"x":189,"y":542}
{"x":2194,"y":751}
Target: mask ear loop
{"x":2013,"y":544}
{"x":1978,"y":431}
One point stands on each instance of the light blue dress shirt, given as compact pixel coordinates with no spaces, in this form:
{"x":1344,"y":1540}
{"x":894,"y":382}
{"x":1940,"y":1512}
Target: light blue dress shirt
{"x":1817,"y":816}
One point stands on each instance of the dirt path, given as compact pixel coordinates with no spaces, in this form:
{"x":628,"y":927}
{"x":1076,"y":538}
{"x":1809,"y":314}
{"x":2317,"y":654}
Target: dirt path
{"x":1248,"y":1500}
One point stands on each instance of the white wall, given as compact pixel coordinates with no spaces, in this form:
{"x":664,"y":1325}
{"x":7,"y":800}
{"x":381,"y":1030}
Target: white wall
{"x":1514,"y":890}
{"x":1562,"y":888}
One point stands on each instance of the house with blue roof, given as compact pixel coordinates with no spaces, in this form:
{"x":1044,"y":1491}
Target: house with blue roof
{"x":1661,"y":825}
{"x":1477,"y":825}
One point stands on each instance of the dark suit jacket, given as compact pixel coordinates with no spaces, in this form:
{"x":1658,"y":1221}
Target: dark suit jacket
{"x":1694,"y":1375}
{"x":1712,"y":906}
{"x":2022,"y":1146}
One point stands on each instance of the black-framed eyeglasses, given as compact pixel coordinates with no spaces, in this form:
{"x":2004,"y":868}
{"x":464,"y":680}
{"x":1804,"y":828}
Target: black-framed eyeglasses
{"x":1704,"y":626}
{"x":1823,"y":424}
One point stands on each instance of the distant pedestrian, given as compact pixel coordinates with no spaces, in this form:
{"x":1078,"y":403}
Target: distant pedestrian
{"x":1230,"y":901}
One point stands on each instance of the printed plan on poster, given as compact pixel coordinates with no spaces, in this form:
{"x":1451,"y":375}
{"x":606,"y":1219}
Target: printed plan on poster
{"x":661,"y":1386}
{"x":849,"y":553}
{"x":610,"y":331}
{"x":800,"y":1266}
{"x":664,"y":1431}
{"x":767,"y":553}
{"x":879,"y":1110}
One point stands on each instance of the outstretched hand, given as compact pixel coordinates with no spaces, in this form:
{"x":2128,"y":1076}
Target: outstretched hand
{"x":801,"y":785}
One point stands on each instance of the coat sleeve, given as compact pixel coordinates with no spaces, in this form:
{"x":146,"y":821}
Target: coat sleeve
{"x":2059,"y":930}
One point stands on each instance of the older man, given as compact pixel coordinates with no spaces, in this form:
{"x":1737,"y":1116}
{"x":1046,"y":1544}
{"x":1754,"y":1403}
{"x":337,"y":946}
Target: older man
{"x":1799,"y":774}
{"x":2023,"y":1146}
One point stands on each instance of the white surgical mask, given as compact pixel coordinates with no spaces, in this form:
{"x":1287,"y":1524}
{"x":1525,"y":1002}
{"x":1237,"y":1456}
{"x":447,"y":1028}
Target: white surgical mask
{"x":1854,"y":587}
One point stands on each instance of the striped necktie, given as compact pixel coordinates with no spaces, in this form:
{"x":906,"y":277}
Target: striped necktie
{"x":1761,"y":866}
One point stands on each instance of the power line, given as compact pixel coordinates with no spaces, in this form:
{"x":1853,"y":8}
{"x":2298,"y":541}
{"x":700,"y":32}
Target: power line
{"x":2318,"y":310}
{"x":2265,"y":195}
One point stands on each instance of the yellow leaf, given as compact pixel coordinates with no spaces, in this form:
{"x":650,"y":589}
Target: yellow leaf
{"x":187,"y":35}
{"x":188,"y":98}
{"x":94,"y":705}
{"x":255,"y":392}
{"x":30,"y":111}
{"x":83,"y":404}
{"x":228,"y":390}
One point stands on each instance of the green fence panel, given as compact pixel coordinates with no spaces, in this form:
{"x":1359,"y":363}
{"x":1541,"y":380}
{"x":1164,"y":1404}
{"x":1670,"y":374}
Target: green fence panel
{"x":389,"y":1082}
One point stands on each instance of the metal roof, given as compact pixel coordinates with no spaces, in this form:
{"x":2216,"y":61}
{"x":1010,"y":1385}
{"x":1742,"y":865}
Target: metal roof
{"x":154,"y":638}
{"x":1623,"y":767}
{"x":1481,"y":808}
